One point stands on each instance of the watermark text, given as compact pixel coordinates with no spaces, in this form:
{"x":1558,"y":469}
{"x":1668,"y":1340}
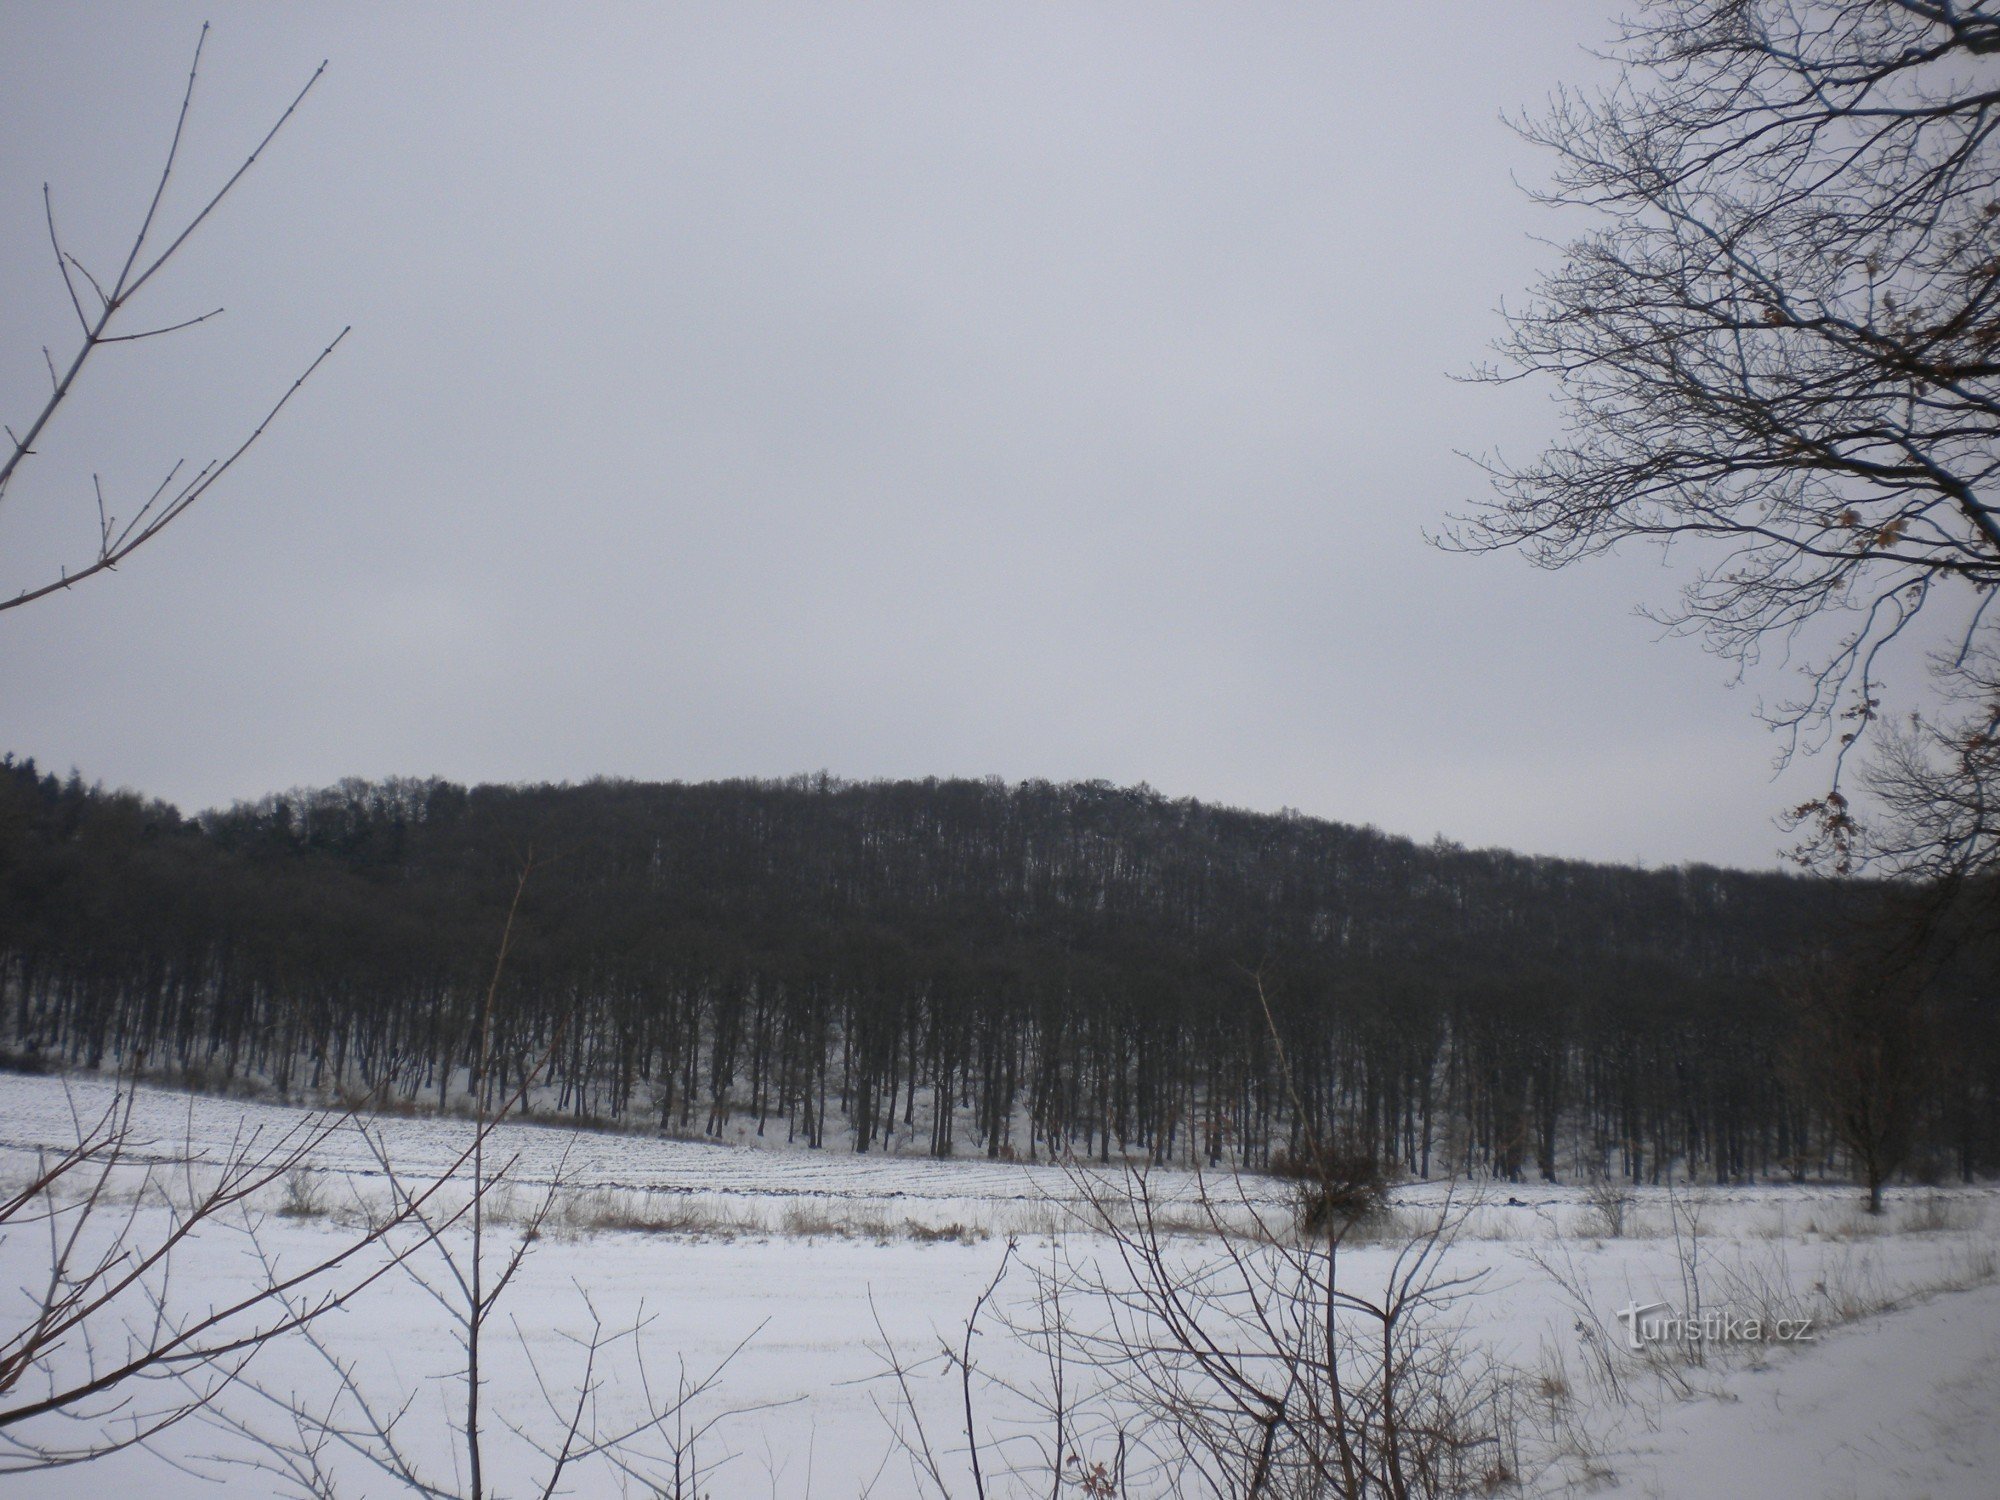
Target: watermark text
{"x":1653,"y":1323}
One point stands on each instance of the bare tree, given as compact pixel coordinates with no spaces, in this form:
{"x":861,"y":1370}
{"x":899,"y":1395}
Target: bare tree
{"x":99,"y":1354}
{"x":460,"y":1255}
{"x":1782,"y":339}
{"x":314,"y":1434}
{"x":1937,"y":780}
{"x":100,"y":303}
{"x":1864,"y":1048}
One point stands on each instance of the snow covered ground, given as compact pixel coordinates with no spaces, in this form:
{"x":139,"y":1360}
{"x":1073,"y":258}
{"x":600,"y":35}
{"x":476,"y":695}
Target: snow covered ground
{"x":748,"y":1187}
{"x":796,"y":1273}
{"x":1903,"y":1405}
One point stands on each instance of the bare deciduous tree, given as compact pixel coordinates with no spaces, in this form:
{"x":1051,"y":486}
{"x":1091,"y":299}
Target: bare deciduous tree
{"x":1783,"y":337}
{"x":456,"y":1257}
{"x":1937,"y":780}
{"x":334,"y":1415}
{"x":99,"y":303}
{"x":1864,"y":1049}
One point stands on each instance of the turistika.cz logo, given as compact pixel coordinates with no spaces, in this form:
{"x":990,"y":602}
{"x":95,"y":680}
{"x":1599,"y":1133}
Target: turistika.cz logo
{"x":1657,"y":1323}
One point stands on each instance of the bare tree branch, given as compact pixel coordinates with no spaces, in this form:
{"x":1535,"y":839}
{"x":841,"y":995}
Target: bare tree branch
{"x":97,"y":333}
{"x":1782,"y":338}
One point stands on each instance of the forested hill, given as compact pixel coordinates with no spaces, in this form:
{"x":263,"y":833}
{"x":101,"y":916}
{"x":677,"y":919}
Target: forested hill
{"x":1070,"y":965}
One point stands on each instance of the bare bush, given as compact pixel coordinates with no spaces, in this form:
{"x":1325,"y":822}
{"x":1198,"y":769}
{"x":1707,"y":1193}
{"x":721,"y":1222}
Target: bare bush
{"x":1608,"y":1199}
{"x":305,"y":1194}
{"x":1270,"y":1369}
{"x":1335,"y":1187}
{"x":101,"y":1353}
{"x":1231,"y":1363}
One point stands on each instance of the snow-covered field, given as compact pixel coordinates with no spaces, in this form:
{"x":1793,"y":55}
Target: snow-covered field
{"x":796,"y":1273}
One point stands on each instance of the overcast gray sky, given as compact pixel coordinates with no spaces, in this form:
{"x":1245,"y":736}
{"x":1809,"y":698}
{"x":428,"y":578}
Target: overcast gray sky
{"x":898,"y":390}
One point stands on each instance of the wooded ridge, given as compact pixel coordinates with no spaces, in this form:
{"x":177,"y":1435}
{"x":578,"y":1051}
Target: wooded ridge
{"x":1019,"y":970}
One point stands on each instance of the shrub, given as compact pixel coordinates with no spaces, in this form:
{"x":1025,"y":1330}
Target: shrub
{"x":1335,"y":1188}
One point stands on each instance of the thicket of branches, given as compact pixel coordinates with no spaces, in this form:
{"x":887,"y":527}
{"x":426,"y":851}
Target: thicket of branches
{"x":1057,"y":969}
{"x":1260,"y":1358}
{"x":1779,"y":349}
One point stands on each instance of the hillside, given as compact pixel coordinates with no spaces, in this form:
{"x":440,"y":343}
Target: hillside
{"x":941,"y":966}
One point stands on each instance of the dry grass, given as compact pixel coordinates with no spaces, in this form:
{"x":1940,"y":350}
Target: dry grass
{"x":718,"y":1216}
{"x":305,"y":1195}
{"x":620,"y":1210}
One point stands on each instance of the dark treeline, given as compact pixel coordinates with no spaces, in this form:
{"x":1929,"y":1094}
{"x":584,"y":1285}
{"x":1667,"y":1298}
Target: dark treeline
{"x":942,"y":966}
